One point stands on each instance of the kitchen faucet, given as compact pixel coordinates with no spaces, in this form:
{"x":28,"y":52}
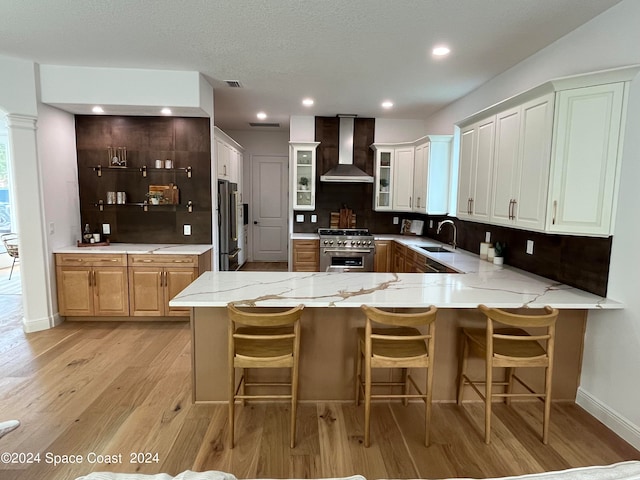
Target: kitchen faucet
{"x":443,"y":222}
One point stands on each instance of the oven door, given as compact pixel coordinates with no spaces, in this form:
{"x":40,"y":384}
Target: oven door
{"x":351,"y":260}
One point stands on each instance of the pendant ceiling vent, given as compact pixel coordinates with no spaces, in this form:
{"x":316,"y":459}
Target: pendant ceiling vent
{"x":346,"y":171}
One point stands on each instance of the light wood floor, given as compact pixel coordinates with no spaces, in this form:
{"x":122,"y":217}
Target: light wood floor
{"x":123,"y":388}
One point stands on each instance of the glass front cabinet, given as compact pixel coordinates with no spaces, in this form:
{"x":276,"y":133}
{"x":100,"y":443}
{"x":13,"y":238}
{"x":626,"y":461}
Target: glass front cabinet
{"x":383,"y":181}
{"x":303,"y":159}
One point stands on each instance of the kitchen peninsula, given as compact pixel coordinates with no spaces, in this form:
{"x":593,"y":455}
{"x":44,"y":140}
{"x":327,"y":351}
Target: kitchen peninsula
{"x":332,"y":315}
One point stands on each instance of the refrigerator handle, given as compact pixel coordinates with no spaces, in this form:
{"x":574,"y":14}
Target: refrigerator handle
{"x":235,"y":216}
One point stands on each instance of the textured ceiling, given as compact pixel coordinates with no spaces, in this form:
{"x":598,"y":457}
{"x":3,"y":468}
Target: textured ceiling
{"x":349,"y":55}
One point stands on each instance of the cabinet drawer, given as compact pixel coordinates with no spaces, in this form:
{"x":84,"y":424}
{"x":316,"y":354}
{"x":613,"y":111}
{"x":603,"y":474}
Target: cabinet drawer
{"x":91,"y":260}
{"x":163,"y":260}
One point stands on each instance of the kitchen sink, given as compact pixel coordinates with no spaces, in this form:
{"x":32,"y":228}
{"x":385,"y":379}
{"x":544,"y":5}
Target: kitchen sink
{"x":437,"y":249}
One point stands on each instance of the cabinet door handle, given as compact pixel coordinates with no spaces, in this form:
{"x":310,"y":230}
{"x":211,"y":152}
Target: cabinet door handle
{"x":510,"y":205}
{"x":471,"y":206}
{"x":513,"y":209}
{"x":89,"y":277}
{"x":410,"y":203}
{"x":555,"y":210}
{"x":166,"y":279}
{"x":418,"y":205}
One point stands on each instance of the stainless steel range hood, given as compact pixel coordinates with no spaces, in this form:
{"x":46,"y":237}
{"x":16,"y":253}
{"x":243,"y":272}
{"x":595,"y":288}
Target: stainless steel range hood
{"x":346,"y":171}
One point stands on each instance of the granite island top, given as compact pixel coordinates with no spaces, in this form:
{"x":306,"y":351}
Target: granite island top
{"x":482,"y":282}
{"x":139,"y":248}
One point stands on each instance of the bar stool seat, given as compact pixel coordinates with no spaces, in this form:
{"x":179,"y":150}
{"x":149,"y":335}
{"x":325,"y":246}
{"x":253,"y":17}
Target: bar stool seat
{"x":263,"y":340}
{"x":399,"y":345}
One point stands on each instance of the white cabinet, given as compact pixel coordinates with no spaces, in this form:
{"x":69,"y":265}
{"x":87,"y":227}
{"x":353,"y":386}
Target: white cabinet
{"x":384,"y":179}
{"x":228,"y":155}
{"x":431,"y":175}
{"x":476,"y":162}
{"x":585,"y":159}
{"x":413,"y":176}
{"x":521,"y":164}
{"x":303,"y":160}
{"x":403,"y":179}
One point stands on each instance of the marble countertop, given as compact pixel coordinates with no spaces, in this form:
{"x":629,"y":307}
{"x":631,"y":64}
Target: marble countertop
{"x":139,"y":248}
{"x":502,"y":287}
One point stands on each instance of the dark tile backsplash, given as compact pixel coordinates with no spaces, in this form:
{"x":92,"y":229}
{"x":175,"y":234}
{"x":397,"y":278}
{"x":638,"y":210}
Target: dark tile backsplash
{"x":186,"y":141}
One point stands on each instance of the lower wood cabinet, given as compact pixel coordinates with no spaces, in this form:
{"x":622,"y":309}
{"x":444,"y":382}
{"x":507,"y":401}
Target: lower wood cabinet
{"x":398,"y":253}
{"x":92,"y":285}
{"x":156,"y":279}
{"x":306,"y":255}
{"x":139,"y":285}
{"x":382,"y":259}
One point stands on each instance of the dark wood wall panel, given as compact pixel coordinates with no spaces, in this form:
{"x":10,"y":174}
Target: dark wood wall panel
{"x":186,"y":141}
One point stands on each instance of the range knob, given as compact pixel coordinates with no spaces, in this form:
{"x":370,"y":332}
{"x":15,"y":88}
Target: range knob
{"x":339,"y":242}
{"x":330,"y":242}
{"x":358,"y":242}
{"x":353,"y":242}
{"x":369,"y":242}
{"x":326,"y":242}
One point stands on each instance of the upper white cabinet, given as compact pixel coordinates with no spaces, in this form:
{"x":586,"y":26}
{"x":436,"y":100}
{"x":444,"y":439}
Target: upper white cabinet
{"x":584,"y":166}
{"x":476,"y":161}
{"x":521,"y":164}
{"x":548,"y":159}
{"x":431,"y":177}
{"x":413,"y":177}
{"x":403,"y":179}
{"x":384,"y":179}
{"x":228,"y":155}
{"x":303,"y":160}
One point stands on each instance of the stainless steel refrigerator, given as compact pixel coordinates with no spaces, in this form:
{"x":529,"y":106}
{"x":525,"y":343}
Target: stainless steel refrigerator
{"x":228,"y":228}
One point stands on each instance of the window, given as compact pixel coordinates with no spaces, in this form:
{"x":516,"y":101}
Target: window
{"x":5,"y":194}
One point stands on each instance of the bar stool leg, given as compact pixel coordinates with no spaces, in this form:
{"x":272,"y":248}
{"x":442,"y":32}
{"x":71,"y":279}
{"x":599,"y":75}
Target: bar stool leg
{"x":367,"y":402}
{"x":509,"y":380}
{"x":463,"y":368}
{"x":232,"y":399}
{"x":358,"y":379}
{"x":405,"y":388}
{"x":487,"y":403}
{"x":428,"y":401}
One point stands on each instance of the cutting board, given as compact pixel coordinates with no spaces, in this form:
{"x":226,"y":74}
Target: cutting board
{"x":343,"y":219}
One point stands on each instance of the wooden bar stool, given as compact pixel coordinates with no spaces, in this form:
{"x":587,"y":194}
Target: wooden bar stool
{"x":399,"y":345}
{"x":511,"y":348}
{"x":263,"y":340}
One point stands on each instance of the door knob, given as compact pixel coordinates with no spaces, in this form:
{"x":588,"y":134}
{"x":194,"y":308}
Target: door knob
{"x":255,"y":222}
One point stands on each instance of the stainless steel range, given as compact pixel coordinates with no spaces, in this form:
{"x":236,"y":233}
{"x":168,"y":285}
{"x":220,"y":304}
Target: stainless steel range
{"x":346,"y":250}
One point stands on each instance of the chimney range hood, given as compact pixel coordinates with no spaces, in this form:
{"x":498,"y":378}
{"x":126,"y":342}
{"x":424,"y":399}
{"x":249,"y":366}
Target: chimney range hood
{"x":346,"y":171}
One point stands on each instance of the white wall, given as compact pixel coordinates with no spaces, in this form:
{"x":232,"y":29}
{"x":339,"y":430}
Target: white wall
{"x":17,"y":86}
{"x":257,"y":143}
{"x":394,"y":131}
{"x":57,"y":153}
{"x":608,"y":388}
{"x":129,"y":91}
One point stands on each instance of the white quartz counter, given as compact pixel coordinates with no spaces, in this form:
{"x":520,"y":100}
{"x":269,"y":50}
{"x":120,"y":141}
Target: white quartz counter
{"x":494,"y":286}
{"x":139,"y":248}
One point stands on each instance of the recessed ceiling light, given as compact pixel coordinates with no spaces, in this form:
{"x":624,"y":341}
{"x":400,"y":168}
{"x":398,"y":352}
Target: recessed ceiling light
{"x":97,"y":109}
{"x":307,"y":102}
{"x":387,"y":104}
{"x":261,"y":115}
{"x":441,"y":51}
{"x":166,"y":111}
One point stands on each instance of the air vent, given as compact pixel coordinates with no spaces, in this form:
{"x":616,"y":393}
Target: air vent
{"x":233,"y":83}
{"x":274,"y":125}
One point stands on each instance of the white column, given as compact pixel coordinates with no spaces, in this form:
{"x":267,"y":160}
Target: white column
{"x":35,"y":259}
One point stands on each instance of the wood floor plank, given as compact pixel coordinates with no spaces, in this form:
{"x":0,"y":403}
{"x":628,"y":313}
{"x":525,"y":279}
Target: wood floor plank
{"x":125,"y":387}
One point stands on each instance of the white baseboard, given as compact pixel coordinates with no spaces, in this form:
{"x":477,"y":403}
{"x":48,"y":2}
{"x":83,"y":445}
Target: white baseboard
{"x":612,"y":419}
{"x":37,"y":325}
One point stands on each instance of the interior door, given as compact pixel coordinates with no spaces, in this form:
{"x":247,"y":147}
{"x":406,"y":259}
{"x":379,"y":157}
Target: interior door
{"x":269,"y":208}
